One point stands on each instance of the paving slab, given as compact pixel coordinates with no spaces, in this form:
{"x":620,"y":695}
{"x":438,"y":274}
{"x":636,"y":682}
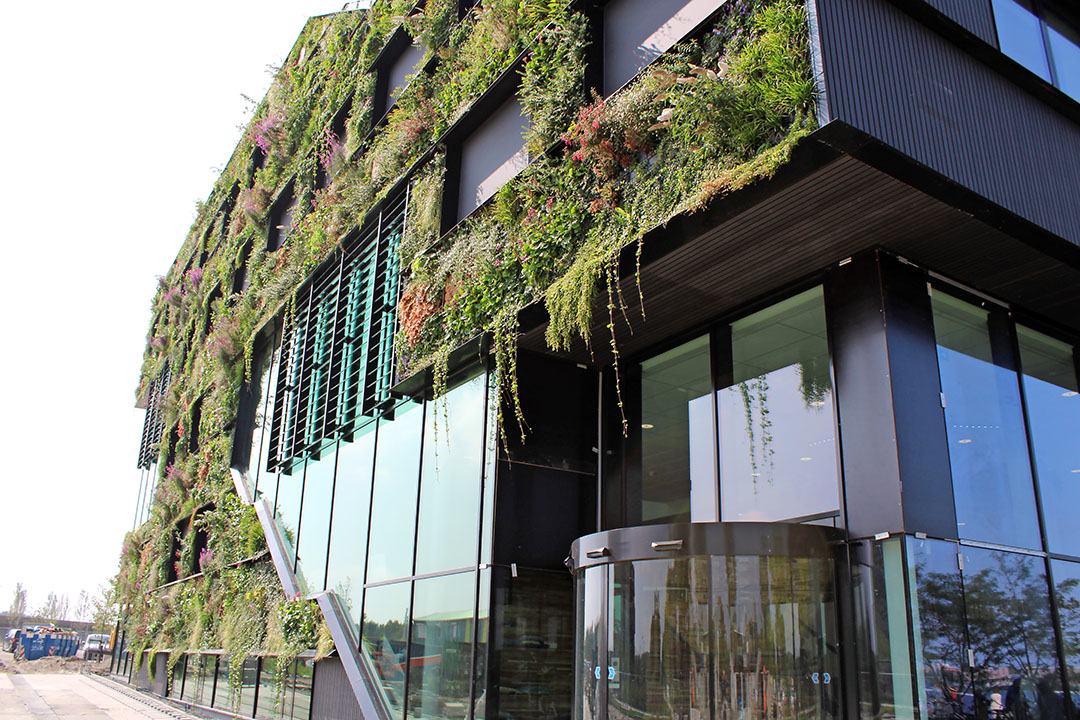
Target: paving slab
{"x":48,"y":697}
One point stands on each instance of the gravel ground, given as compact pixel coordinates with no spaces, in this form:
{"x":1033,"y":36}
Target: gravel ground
{"x":51,"y":665}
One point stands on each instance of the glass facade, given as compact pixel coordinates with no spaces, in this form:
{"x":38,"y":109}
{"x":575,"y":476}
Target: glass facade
{"x":1053,"y":408}
{"x":777,"y":424}
{"x":741,"y":422}
{"x":1041,"y":40}
{"x":988,"y":453}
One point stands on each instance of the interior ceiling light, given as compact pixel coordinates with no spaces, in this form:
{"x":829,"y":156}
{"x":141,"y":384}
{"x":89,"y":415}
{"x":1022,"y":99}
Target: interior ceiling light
{"x":647,"y":426}
{"x":965,"y":441}
{"x":818,"y":403}
{"x":806,"y":459}
{"x":1069,"y":393}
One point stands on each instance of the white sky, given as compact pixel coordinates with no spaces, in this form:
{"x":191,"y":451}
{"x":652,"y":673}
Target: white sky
{"x":116,"y":116}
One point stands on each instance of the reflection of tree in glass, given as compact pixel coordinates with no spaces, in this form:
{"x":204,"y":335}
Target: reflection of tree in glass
{"x":814,"y":382}
{"x":754,"y":393}
{"x":1010,"y":631}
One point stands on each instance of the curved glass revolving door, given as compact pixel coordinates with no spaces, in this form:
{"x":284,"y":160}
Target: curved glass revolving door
{"x":724,"y":621}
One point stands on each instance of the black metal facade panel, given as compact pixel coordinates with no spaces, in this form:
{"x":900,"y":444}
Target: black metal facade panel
{"x":332,"y":698}
{"x":976,"y":16}
{"x":895,"y":79}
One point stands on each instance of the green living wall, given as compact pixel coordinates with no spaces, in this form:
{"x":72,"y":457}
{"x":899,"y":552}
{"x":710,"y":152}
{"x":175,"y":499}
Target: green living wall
{"x":710,"y":116}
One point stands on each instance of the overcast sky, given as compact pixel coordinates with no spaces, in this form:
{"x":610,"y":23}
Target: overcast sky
{"x":116,"y":117}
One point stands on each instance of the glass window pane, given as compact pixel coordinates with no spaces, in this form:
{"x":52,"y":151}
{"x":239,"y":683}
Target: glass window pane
{"x":775,"y":638}
{"x":450,"y":482}
{"x":301,"y":705}
{"x":193,"y":680}
{"x":176,"y":679}
{"x":225,"y":698}
{"x":777,"y":422}
{"x":1020,"y":36}
{"x":348,"y":532}
{"x":991,"y":471}
{"x":386,"y":622}
{"x":659,"y":656}
{"x":937,"y":615}
{"x":675,"y":416}
{"x":1011,"y":634}
{"x":536,"y":616}
{"x":1067,"y":591}
{"x":1053,"y":407}
{"x":248,"y":679}
{"x":290,"y":489}
{"x":1065,"y":49}
{"x":397,"y":477}
{"x":881,"y":642}
{"x":440,"y":647}
{"x":263,"y":385}
{"x":270,"y":701}
{"x":589,"y":596}
{"x":209,"y":673}
{"x":315,"y":521}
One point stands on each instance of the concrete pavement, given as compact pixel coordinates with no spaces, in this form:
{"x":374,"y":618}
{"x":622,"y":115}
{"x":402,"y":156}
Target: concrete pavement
{"x":47,"y":697}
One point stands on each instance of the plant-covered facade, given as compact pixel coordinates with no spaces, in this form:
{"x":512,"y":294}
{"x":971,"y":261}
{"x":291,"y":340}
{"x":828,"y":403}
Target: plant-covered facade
{"x":598,"y":359}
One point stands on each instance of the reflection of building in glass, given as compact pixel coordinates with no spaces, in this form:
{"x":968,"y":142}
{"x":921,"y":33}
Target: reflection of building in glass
{"x":829,"y":468}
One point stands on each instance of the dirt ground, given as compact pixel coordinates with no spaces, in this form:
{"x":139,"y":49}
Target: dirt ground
{"x":51,"y":665}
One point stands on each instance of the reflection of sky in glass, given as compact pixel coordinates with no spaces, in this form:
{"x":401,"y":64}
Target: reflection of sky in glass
{"x":450,"y":482}
{"x":787,"y":469}
{"x":1053,"y":406}
{"x":995,"y":500}
{"x":1020,"y":36}
{"x":348,"y":532}
{"x":988,"y":454}
{"x":393,"y":514}
{"x":315,"y":522}
{"x":386,"y":619}
{"x":290,"y":490}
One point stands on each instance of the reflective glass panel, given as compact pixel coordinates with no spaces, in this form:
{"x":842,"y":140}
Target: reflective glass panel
{"x":249,"y":678}
{"x":386,"y":622}
{"x":589,"y":597}
{"x":195,"y":675}
{"x":315,"y":522}
{"x":882,"y":649}
{"x":270,"y":700}
{"x":1053,"y":408}
{"x":176,"y":679}
{"x":1012,"y":636}
{"x":1020,"y":36}
{"x":262,"y":374}
{"x":991,"y":470}
{"x":348,"y":533}
{"x":775,"y":638}
{"x":440,"y":646}
{"x":658,"y":662}
{"x":1067,"y":591}
{"x":393,"y":515}
{"x":676,"y":430}
{"x":225,"y":696}
{"x":209,"y":680}
{"x":290,"y":493}
{"x":1065,"y":49}
{"x":777,"y":422}
{"x":937,"y":614}
{"x":536,"y":654}
{"x":302,"y":684}
{"x":450,"y":482}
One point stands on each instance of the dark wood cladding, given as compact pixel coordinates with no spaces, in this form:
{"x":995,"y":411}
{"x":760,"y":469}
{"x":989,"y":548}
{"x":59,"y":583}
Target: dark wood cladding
{"x":895,"y":79}
{"x":976,"y":16}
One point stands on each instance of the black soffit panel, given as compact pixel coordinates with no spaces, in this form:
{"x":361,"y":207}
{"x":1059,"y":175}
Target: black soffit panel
{"x":821,"y":208}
